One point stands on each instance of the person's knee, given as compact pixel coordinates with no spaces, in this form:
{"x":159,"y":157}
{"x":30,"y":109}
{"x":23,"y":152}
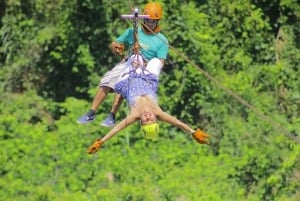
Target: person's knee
{"x":106,"y":89}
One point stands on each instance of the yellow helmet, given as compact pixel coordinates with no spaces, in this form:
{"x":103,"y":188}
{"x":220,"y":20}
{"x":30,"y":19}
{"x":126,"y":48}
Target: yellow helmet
{"x":150,"y":131}
{"x":154,"y":10}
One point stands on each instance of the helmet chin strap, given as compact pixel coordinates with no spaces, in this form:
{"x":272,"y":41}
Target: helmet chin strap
{"x":150,"y":31}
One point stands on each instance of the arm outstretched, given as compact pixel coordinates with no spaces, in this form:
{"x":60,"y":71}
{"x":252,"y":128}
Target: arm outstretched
{"x":163,"y":116}
{"x":198,"y":135}
{"x":120,"y":126}
{"x":130,"y":119}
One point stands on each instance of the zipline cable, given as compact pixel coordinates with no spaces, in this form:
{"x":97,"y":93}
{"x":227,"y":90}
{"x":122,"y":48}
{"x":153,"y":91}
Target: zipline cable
{"x":273,"y":123}
{"x":262,"y":115}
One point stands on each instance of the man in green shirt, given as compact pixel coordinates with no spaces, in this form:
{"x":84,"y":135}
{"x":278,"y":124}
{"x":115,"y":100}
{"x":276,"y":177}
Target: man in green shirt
{"x":152,"y":44}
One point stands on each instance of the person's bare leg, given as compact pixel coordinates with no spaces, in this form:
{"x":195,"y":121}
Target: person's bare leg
{"x":118,"y":99}
{"x":99,"y":97}
{"x":110,"y":119}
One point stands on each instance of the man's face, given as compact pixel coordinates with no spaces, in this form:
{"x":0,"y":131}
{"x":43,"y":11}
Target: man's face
{"x":150,"y":23}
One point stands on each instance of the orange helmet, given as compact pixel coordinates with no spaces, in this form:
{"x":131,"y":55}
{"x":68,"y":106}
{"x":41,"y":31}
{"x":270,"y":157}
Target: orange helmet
{"x":154,"y":10}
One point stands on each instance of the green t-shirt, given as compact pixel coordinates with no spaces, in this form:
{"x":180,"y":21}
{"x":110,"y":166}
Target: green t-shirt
{"x":152,"y":45}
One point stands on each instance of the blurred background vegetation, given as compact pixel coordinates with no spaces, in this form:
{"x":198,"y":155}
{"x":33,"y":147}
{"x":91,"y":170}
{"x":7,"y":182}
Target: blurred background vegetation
{"x":53,"y":54}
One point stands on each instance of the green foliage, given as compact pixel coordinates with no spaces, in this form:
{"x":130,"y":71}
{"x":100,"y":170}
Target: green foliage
{"x":223,"y":54}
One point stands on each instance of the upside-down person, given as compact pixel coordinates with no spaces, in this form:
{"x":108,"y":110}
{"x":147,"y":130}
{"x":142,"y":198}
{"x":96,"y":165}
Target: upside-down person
{"x":151,"y":43}
{"x":139,"y":88}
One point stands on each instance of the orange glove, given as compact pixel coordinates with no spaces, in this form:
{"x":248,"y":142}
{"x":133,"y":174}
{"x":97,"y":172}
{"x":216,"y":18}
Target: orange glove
{"x":117,"y":48}
{"x":200,"y":136}
{"x":95,"y":147}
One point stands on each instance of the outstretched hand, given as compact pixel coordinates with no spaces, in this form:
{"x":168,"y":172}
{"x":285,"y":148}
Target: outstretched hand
{"x":201,"y":137}
{"x":95,"y":147}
